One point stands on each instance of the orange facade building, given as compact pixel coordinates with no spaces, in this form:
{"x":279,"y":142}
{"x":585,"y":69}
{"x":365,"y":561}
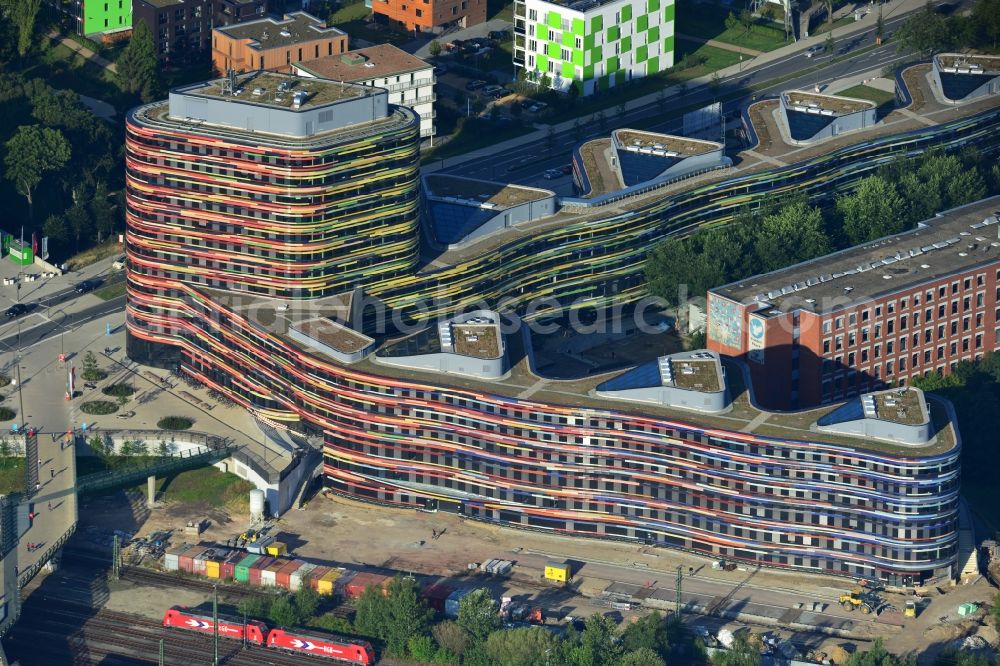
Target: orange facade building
{"x":274,"y":44}
{"x":430,"y":15}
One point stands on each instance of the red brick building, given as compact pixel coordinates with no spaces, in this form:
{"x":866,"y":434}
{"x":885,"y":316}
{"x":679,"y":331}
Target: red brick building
{"x":871,"y":316}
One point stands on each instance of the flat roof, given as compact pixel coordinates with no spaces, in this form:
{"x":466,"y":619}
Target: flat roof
{"x":272,"y":33}
{"x":953,"y":241}
{"x":966,"y":63}
{"x":683,"y":146}
{"x":696,"y":374}
{"x":839,"y":105}
{"x":333,"y":335}
{"x":471,"y":191}
{"x":262,"y":89}
{"x":901,"y":406}
{"x":580,"y":5}
{"x":477,"y":340}
{"x":372,"y":62}
{"x":160,"y":4}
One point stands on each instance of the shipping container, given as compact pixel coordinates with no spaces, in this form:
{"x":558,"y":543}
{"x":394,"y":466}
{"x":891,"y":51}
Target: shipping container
{"x":302,"y":573}
{"x":276,"y":549}
{"x":227,"y":570}
{"x":435,"y":595}
{"x":198,"y":566}
{"x":327,"y":583}
{"x":316,"y":574}
{"x":212,"y":568}
{"x":362,"y":581}
{"x":283,"y":578}
{"x":451,"y":603}
{"x":171,"y":558}
{"x":344,"y":577}
{"x":557,"y":571}
{"x":260,"y":545}
{"x":186,"y":559}
{"x":242,"y":569}
{"x":257,"y":568}
{"x":269,"y":576}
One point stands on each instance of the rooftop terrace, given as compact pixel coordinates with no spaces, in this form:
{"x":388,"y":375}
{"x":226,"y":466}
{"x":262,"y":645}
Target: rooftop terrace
{"x":333,"y":334}
{"x":681,"y":146}
{"x":953,"y":241}
{"x":483,"y":193}
{"x":270,"y":89}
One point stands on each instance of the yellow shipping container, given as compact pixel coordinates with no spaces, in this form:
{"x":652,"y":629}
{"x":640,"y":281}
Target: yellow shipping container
{"x":212,"y":568}
{"x":325,"y":584}
{"x":276,"y":549}
{"x":557,"y":571}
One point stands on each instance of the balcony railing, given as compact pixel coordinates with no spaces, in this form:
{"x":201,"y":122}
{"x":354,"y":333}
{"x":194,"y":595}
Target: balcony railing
{"x":406,"y":85}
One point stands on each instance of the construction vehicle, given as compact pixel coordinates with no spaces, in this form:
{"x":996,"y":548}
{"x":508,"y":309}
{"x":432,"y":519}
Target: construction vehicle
{"x":857,"y":598}
{"x":911,"y":609}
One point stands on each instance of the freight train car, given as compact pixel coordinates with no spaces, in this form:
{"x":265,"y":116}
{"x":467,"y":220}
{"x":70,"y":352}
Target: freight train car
{"x":179,"y":617}
{"x":325,"y":645}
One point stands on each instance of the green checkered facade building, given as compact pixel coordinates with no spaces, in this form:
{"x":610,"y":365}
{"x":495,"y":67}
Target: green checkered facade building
{"x":599,"y":44}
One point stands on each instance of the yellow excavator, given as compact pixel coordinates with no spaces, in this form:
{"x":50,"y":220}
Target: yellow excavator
{"x":858,"y":598}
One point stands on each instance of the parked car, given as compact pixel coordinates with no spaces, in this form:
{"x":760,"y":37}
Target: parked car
{"x":814,"y":50}
{"x":537,"y":107}
{"x":499,"y":35}
{"x":85,"y":286}
{"x":16,"y":310}
{"x":491,"y":89}
{"x":475,"y":85}
{"x":567,"y":169}
{"x":440,"y":69}
{"x":503,"y":92}
{"x":552,"y":174}
{"x":118,"y":263}
{"x":527,"y":104}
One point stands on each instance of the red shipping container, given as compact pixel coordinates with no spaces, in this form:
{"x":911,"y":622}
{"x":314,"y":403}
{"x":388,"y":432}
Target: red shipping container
{"x":257,"y":568}
{"x":316,"y":574}
{"x":186,"y":561}
{"x":227,"y":570}
{"x":435,"y":595}
{"x":361,"y":582}
{"x":284,"y":574}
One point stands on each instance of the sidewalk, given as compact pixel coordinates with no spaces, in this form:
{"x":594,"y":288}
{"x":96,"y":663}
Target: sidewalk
{"x":83,"y":51}
{"x":725,"y":46}
{"x":890,"y":9}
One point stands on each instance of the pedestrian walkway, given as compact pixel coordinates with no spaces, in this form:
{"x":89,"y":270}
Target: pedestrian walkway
{"x":890,"y":10}
{"x":83,"y":51}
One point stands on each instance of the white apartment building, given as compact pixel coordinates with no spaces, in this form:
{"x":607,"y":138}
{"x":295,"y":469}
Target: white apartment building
{"x":409,"y":80}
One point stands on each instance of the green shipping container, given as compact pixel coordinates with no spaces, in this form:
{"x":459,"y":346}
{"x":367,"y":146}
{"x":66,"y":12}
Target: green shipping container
{"x":243,"y":568}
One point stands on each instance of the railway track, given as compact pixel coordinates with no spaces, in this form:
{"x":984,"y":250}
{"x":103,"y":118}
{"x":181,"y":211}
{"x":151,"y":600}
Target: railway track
{"x":76,"y":634}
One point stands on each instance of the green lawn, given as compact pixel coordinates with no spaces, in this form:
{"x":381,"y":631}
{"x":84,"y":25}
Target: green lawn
{"x":709,"y":22}
{"x":839,"y":23}
{"x":11,"y":475}
{"x":880,"y":97}
{"x":714,"y":60}
{"x":206,"y":485}
{"x":349,"y":12}
{"x":64,"y":69}
{"x":112,"y":291}
{"x":374,"y":33}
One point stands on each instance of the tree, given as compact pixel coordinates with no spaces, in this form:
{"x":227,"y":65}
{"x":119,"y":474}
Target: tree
{"x":986,"y":16}
{"x":641,"y":657}
{"x":741,"y":653}
{"x":282,"y":612}
{"x":32,"y":151}
{"x":879,"y":26}
{"x":546,"y":81}
{"x":422,"y":648}
{"x":925,"y":32}
{"x":732,"y":22}
{"x":526,"y":646}
{"x":477,"y":615}
{"x":306,"y":603}
{"x":101,"y":215}
{"x":995,"y":609}
{"x":746,"y":20}
{"x":874,"y":210}
{"x":877,"y":656}
{"x":597,"y":646}
{"x":55,"y":227}
{"x":550,"y":137}
{"x":829,"y":13}
{"x":714,"y":82}
{"x":90,"y":370}
{"x":394,"y":615}
{"x":828,"y":44}
{"x":450,"y":636}
{"x":138,"y":70}
{"x":5,"y":451}
{"x":78,"y":221}
{"x":793,"y":234}
{"x":253,"y":607}
{"x":434,"y":48}
{"x":24,"y":14}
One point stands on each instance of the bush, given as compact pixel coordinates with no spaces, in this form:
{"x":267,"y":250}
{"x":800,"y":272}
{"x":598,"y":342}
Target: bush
{"x":6,"y":414}
{"x":99,"y":407}
{"x":174,"y":423}
{"x":118,"y":390}
{"x":4,"y":380}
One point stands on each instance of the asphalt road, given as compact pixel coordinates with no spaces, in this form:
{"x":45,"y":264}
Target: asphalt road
{"x":526,"y":164}
{"x":49,"y":318}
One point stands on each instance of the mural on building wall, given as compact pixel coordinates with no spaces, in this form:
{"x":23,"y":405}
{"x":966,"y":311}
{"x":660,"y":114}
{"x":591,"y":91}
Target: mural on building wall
{"x":725,"y":324}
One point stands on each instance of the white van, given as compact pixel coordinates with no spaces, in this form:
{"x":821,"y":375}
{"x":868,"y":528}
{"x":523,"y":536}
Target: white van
{"x":119,"y":263}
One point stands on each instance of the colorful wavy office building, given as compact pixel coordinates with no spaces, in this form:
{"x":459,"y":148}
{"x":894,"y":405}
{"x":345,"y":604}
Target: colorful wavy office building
{"x":252,"y":213}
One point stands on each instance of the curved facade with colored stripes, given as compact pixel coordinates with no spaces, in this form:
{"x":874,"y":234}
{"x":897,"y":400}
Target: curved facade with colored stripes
{"x":215,"y":214}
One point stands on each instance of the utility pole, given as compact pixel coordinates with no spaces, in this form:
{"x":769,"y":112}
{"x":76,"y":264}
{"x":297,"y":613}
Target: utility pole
{"x":116,"y":571}
{"x":161,"y":652}
{"x":244,"y":628}
{"x":215,"y":624}
{"x":677,"y":603}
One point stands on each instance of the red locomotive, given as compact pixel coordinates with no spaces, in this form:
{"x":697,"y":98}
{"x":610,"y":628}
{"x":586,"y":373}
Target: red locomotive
{"x":181,"y":618}
{"x":326,"y":645}
{"x":318,"y":644}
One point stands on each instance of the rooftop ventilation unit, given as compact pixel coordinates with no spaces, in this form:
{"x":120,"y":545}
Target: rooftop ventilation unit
{"x":285,"y":33}
{"x":666,"y":370}
{"x":299,"y":98}
{"x":869,"y":406}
